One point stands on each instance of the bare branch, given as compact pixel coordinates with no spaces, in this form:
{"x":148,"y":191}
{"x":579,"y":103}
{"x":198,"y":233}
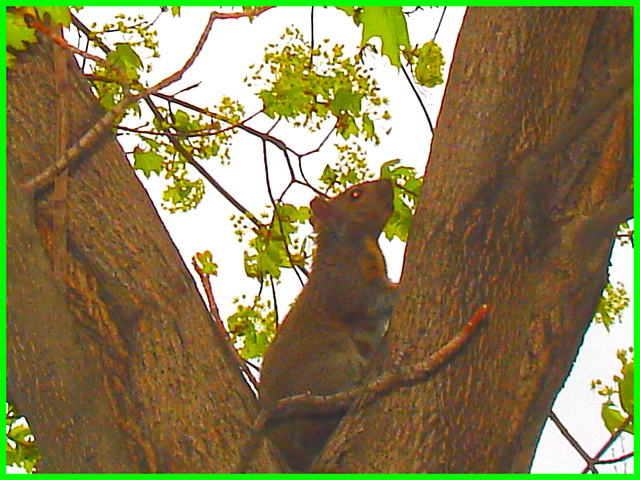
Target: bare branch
{"x":386,"y":382}
{"x":574,"y":443}
{"x":619,"y":459}
{"x":415,"y":91}
{"x":217,"y":320}
{"x":613,"y":438}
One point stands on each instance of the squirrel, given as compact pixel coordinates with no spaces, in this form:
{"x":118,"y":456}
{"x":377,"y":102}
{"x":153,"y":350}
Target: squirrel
{"x":335,"y":326}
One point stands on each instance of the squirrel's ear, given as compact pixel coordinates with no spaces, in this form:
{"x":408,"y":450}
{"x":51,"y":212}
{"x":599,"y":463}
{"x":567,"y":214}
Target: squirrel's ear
{"x":320,"y":209}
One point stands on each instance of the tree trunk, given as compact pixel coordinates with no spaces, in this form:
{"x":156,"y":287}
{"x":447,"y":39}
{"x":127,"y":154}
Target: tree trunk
{"x":118,"y":367}
{"x":514,"y":214}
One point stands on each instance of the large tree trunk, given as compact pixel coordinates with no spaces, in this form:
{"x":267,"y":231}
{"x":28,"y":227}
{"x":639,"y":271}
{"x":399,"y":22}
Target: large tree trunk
{"x":119,"y":368}
{"x":530,"y":236}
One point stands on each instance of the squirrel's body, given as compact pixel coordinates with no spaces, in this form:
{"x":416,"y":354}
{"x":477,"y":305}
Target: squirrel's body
{"x":327,"y":340}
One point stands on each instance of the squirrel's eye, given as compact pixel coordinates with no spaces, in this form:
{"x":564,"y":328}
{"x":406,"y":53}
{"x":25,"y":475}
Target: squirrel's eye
{"x":356,"y":194}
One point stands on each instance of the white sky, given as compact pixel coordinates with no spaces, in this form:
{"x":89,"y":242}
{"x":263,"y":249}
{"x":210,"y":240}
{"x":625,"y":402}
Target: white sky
{"x":233,"y":46}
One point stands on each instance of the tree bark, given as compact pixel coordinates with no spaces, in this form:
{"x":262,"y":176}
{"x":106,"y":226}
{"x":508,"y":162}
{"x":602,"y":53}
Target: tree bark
{"x":513,"y":213}
{"x":119,"y":368}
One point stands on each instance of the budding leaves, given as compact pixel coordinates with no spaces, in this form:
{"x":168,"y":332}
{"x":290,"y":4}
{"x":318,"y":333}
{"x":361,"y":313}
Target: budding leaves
{"x":430,"y":60}
{"x":252,"y":327}
{"x":615,"y":414}
{"x":208,"y":266}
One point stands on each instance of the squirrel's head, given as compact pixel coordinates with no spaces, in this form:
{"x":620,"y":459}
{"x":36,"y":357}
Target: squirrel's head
{"x":359,"y":211}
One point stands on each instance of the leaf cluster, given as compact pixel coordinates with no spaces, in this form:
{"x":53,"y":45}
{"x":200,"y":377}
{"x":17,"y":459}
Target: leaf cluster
{"x":276,"y":245}
{"x":22,"y":450}
{"x":390,"y":26}
{"x":309,"y":86}
{"x":611,"y":306}
{"x":405,"y":198}
{"x":350,"y":168}
{"x":252,"y":327}
{"x":614,"y":414}
{"x":121,"y":72}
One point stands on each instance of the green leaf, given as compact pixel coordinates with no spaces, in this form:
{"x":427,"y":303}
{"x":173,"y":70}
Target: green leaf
{"x":18,"y":34}
{"x":206,"y":261}
{"x":58,"y":15}
{"x":253,"y":327}
{"x":125,"y":57}
{"x":147,"y":162}
{"x":183,"y":195}
{"x":346,"y":101}
{"x":625,"y":388}
{"x":182,"y":121}
{"x":428,"y":69}
{"x":613,"y":418}
{"x":348,"y":10}
{"x":405,"y":197}
{"x":328,"y":176}
{"x":387,"y":23}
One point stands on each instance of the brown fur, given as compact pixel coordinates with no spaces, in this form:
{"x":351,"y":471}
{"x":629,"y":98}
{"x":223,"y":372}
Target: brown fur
{"x":335,"y":326}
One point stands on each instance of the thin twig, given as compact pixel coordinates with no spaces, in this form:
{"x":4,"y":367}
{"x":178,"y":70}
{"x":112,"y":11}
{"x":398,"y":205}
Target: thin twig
{"x":574,"y":443}
{"x":276,"y":214}
{"x":415,"y":91}
{"x":613,"y":438}
{"x":201,"y":170}
{"x":609,"y":461}
{"x":307,"y":404}
{"x":203,"y":38}
{"x":386,"y":382}
{"x":313,"y":32}
{"x":217,"y":320}
{"x":206,"y":284}
{"x":444,"y":9}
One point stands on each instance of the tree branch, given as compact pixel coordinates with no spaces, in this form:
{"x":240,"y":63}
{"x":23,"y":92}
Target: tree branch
{"x":92,"y":136}
{"x":201,"y":170}
{"x":305,"y":404}
{"x":415,"y":91}
{"x":619,"y":459}
{"x":224,"y":335}
{"x":612,"y":439}
{"x":386,"y":382}
{"x":574,"y":443}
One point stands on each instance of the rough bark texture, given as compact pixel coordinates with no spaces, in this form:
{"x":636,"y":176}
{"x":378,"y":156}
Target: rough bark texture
{"x":529,"y":236}
{"x":121,"y":368}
